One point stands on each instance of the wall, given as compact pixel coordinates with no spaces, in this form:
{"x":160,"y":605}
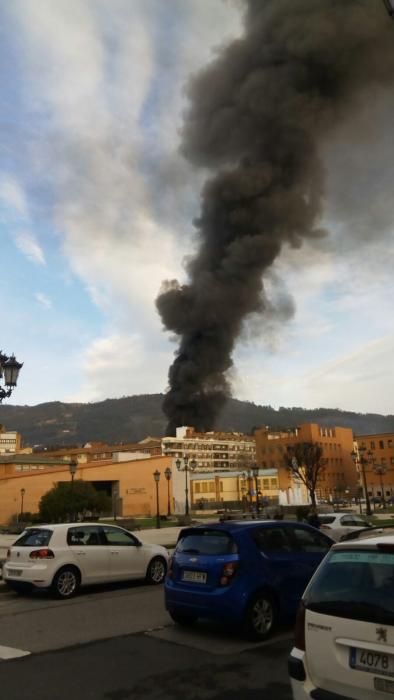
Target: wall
{"x":137,"y":491}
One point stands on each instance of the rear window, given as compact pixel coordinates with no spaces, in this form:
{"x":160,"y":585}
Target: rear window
{"x":326,"y":519}
{"x":210,"y":542}
{"x":355,"y":584}
{"x":34,"y":537}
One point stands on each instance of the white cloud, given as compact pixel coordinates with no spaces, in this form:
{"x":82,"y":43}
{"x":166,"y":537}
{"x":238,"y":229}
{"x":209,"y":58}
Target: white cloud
{"x":13,"y":198}
{"x":27,"y":243}
{"x":44,"y":300}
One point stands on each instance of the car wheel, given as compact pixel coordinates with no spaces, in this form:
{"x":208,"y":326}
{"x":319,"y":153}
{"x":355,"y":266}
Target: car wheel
{"x":182,"y":619}
{"x":156,"y":572}
{"x":66,"y":582}
{"x":260,"y":617}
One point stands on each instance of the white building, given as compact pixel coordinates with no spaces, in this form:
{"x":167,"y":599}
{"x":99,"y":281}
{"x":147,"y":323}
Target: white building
{"x":213,"y":451}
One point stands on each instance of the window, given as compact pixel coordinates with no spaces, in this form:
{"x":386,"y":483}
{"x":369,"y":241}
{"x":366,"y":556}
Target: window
{"x":119,"y":538}
{"x":372,"y":445}
{"x":307,"y":541}
{"x":381,"y":444}
{"x":208,"y":542}
{"x":266,"y":484}
{"x":197,"y":488}
{"x":34,"y":537}
{"x":84,"y":535}
{"x":272,"y":539}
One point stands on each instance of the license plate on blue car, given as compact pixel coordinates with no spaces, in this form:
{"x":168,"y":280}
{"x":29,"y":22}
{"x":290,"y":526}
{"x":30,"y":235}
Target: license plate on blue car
{"x":194,"y":576}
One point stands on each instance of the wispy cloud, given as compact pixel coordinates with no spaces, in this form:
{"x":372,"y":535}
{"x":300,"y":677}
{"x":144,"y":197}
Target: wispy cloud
{"x":27,"y":243}
{"x":44,"y":300}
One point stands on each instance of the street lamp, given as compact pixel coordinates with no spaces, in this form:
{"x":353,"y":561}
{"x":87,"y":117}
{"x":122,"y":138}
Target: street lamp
{"x":9,"y":371}
{"x":360,"y":461}
{"x":381,"y":471}
{"x":23,"y":491}
{"x":156,"y":476}
{"x":73,"y":465}
{"x":186,"y":468}
{"x":168,"y":475}
{"x":255,"y":472}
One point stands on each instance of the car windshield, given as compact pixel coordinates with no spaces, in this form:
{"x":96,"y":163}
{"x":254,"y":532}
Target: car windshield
{"x":211,"y":542}
{"x":34,"y":537}
{"x":356,"y":584}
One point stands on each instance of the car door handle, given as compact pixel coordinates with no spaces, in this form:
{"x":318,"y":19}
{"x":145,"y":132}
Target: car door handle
{"x":114,"y":552}
{"x":80,"y":552}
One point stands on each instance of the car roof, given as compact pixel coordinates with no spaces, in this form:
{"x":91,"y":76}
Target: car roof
{"x":59,"y":526}
{"x":365,"y":543}
{"x":240,"y":525}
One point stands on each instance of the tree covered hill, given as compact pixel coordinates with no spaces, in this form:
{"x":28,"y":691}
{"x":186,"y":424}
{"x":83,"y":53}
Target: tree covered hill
{"x":133,"y":418}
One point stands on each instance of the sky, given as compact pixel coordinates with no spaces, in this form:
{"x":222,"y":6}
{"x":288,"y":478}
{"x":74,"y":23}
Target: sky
{"x":97,"y":206}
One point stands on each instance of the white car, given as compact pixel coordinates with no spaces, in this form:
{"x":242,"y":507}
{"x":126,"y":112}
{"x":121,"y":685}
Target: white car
{"x":63,"y":557}
{"x":344,"y":638}
{"x":336,"y":525}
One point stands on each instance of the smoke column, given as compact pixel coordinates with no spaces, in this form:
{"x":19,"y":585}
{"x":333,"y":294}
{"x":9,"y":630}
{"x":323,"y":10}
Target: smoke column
{"x":258,"y":116}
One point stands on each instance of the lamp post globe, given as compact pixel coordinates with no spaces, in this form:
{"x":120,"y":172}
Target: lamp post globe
{"x":9,"y":373}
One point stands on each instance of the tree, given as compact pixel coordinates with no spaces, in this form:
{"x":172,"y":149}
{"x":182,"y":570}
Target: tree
{"x":65,"y":500}
{"x":305,"y":461}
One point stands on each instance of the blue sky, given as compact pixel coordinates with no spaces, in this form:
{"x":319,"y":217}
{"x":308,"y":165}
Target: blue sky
{"x":96,"y":209}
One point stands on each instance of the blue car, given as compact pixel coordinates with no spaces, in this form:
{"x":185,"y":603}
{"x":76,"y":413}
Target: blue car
{"x":249,"y":573}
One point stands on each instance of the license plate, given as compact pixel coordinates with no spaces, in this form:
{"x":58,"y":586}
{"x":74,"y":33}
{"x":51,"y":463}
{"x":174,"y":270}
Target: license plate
{"x":372,"y":661}
{"x":195,"y":576}
{"x":14,"y":572}
{"x":384,"y":685}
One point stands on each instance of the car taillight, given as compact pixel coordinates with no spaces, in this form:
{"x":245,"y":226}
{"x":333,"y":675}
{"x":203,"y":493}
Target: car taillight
{"x":325,"y":527}
{"x":228,"y":572}
{"x":299,"y":632}
{"x":42,"y":554}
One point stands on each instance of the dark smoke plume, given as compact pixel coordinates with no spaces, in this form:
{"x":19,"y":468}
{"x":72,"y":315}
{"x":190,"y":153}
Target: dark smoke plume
{"x":258,"y":117}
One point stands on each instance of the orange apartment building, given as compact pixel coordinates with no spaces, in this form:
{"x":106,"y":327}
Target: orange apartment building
{"x":379,"y":467}
{"x":340,"y":474}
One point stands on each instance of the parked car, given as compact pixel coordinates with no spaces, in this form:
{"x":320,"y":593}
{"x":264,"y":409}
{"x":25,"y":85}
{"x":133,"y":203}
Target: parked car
{"x":336,"y":525}
{"x":63,"y":557}
{"x":344,"y":638}
{"x":248,"y":573}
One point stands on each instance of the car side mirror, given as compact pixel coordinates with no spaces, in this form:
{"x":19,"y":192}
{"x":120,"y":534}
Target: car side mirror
{"x":138,"y":543}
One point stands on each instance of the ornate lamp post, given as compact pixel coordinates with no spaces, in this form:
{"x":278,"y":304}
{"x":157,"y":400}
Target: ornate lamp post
{"x":186,"y":467}
{"x":73,"y":466}
{"x":255,"y":472}
{"x":156,"y":476}
{"x":168,"y":475}
{"x":9,"y":371}
{"x":23,"y":491}
{"x":360,"y":462}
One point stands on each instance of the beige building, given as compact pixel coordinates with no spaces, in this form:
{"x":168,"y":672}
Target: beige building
{"x":212,"y":451}
{"x":10,"y":441}
{"x":130,"y":483}
{"x":230,"y":489}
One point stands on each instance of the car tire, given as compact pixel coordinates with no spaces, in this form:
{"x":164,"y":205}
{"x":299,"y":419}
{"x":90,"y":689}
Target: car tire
{"x":66,"y":582}
{"x":156,"y":571}
{"x":182,"y":619}
{"x":261,"y":617}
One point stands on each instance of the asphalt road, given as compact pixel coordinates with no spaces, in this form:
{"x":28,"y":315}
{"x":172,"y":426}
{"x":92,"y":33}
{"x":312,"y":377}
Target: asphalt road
{"x":117,"y":643}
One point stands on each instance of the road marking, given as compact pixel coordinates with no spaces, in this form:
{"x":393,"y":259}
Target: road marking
{"x":11,"y":653}
{"x":211,"y":640}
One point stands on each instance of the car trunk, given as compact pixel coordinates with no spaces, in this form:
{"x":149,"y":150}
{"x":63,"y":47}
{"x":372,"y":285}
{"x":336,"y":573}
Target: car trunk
{"x":201,"y":557}
{"x":335,"y":658}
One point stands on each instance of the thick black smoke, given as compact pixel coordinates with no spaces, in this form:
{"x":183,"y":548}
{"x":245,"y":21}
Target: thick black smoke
{"x":258,"y":116}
